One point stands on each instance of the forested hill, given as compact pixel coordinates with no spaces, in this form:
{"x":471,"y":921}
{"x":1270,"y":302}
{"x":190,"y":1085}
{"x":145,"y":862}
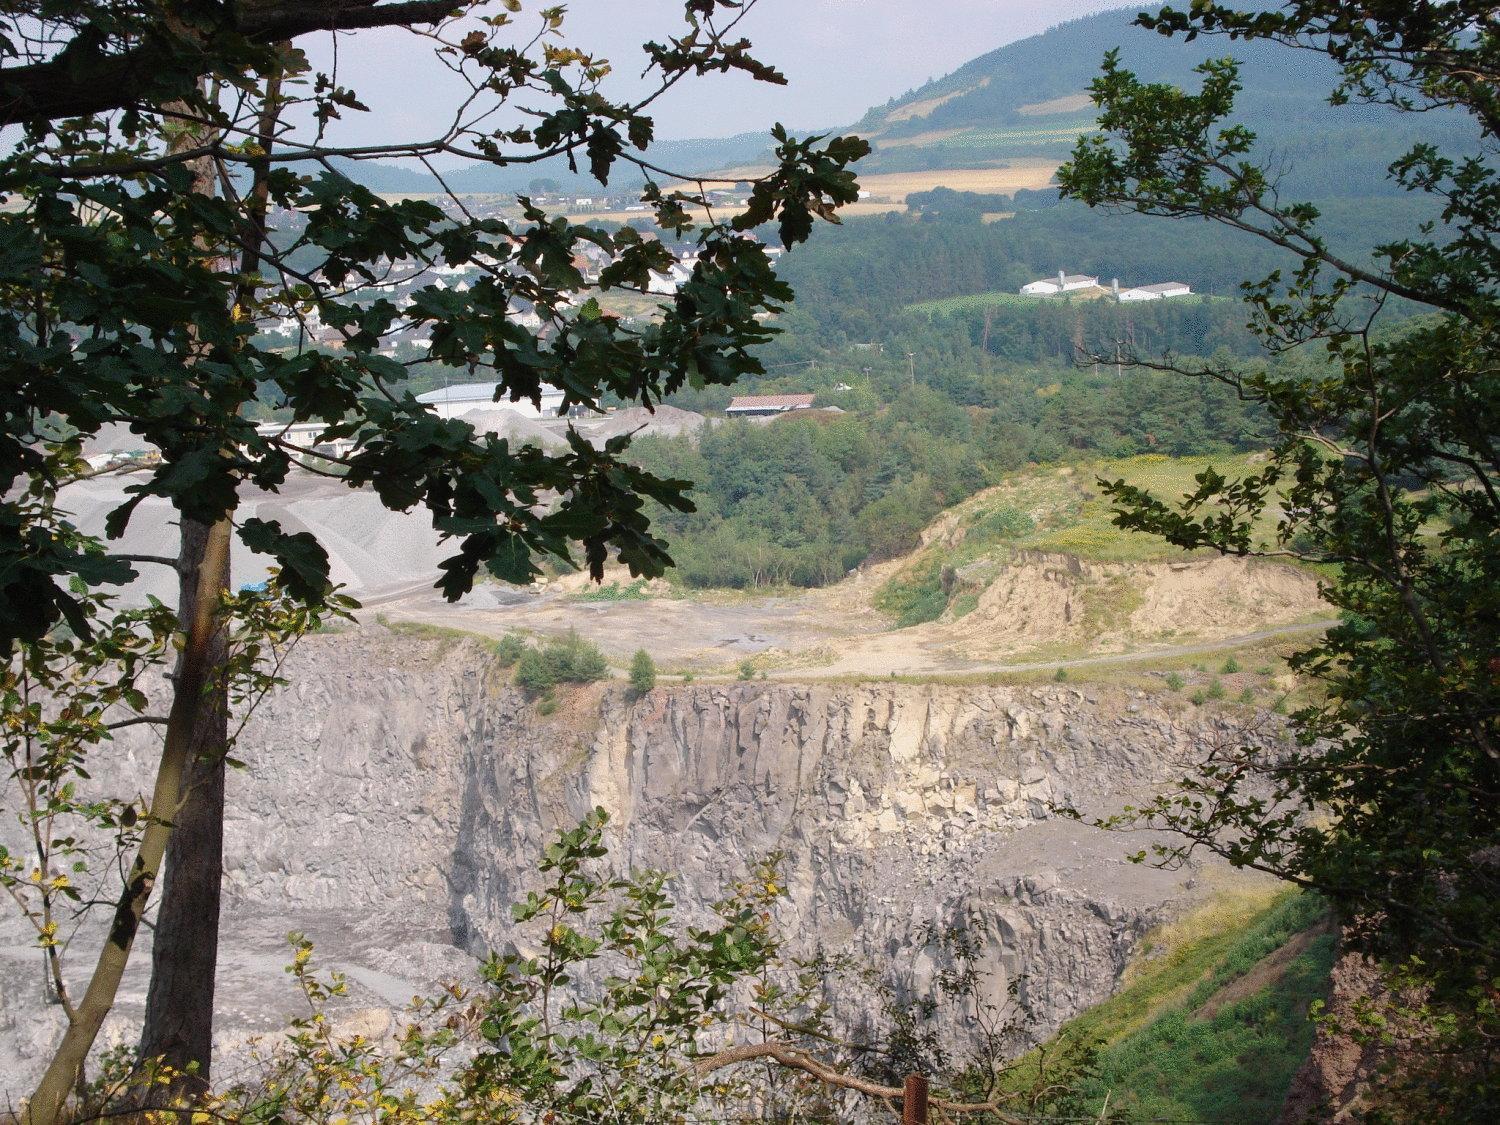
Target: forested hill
{"x":1013,"y":82}
{"x":1028,"y":98}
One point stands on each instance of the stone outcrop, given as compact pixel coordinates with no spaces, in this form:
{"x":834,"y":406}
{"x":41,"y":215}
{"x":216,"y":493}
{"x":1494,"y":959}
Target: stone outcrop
{"x":399,"y":792}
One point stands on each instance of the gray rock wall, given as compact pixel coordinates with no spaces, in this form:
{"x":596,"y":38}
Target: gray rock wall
{"x":399,"y":792}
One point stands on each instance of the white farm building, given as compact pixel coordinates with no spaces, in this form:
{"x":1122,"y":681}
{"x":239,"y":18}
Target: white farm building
{"x":1155,"y":292}
{"x":459,"y":399}
{"x":1062,"y":283}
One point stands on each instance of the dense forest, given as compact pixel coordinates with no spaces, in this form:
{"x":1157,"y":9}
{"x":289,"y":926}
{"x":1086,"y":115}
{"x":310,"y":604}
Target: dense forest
{"x":852,"y":279}
{"x":940,"y":397}
{"x":802,"y":498}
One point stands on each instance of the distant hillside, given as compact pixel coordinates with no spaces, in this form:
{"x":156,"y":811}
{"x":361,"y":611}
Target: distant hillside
{"x":1026,"y":103}
{"x":695,"y":155}
{"x":1029,"y":98}
{"x":1040,"y":79}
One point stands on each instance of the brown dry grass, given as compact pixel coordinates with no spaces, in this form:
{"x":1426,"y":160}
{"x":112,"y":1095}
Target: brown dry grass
{"x":931,"y":137}
{"x":1026,"y":172}
{"x":927,"y":105}
{"x":1068,"y":103}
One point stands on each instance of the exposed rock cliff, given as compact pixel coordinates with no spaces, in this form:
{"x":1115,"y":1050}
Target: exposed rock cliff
{"x":398,"y":794}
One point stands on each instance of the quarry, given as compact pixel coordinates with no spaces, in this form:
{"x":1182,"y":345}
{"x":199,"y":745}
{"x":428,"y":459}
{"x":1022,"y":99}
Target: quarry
{"x":398,"y":791}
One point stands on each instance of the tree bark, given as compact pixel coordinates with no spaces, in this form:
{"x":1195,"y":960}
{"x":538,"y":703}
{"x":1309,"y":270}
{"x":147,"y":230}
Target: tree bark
{"x":45,"y":1107}
{"x":178,"y":1028}
{"x":177,"y":1032}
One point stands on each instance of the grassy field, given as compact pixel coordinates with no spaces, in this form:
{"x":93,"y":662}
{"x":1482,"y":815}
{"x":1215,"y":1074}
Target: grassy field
{"x":969,"y":302}
{"x":1057,"y":511}
{"x":1067,"y":513}
{"x":1212,"y":1023}
{"x":888,"y":190}
{"x":1071,"y":516}
{"x":1061,"y":132}
{"x":972,"y":301}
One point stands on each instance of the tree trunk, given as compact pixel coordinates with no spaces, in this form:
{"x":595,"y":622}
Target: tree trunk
{"x":45,"y":1107}
{"x":178,"y":1028}
{"x":179,"y":1022}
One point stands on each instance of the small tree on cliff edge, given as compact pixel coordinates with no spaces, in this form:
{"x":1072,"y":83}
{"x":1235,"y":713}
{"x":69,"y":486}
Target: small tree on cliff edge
{"x":1388,"y":468}
{"x":137,"y":266}
{"x":642,"y":672}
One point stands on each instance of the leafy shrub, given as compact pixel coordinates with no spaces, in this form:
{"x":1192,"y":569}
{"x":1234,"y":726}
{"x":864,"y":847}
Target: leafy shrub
{"x":1231,"y":666}
{"x":965,"y":604}
{"x":1062,"y":674}
{"x":642,"y":672}
{"x":747,"y":669}
{"x":1198,"y":699}
{"x":915,"y":596}
{"x":1004,"y":522}
{"x":510,"y":648}
{"x":1175,"y":681}
{"x":564,"y":660}
{"x":1247,"y":696}
{"x":1216,"y":689}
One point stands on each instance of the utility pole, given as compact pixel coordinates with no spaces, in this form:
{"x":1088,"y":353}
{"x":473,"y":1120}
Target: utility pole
{"x":911,"y":366}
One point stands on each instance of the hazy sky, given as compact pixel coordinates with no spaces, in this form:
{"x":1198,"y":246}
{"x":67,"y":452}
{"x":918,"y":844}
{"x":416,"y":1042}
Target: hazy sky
{"x":841,"y":57}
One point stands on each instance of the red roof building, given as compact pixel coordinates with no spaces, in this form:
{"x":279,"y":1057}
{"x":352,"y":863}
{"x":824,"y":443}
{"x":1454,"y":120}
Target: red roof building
{"x":756,"y":406}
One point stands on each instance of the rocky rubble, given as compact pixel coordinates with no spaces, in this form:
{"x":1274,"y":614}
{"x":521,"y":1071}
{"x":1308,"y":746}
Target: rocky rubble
{"x":399,"y":791}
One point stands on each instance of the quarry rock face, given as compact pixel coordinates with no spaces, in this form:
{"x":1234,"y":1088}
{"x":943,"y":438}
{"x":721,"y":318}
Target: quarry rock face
{"x":399,"y":793}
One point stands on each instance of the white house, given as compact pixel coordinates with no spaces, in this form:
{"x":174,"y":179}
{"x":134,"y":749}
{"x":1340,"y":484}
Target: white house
{"x":1062,"y":283}
{"x":307,"y":436}
{"x":459,"y":399}
{"x":663,"y":283}
{"x":1155,"y":292}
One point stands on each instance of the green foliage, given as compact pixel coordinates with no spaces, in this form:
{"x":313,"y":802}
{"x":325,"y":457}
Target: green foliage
{"x":1230,"y":666}
{"x":916,"y":594}
{"x":614,"y":592}
{"x":1384,"y":465}
{"x":747,"y":669}
{"x":964,"y":604}
{"x":528,"y":1043}
{"x":642,"y":672}
{"x":155,"y":296}
{"x":1004,"y":522}
{"x":570,"y":659}
{"x":1216,"y":689}
{"x":802,"y":500}
{"x":1175,"y":681}
{"x":510,"y":648}
{"x":1061,"y":675}
{"x":1163,"y":1056}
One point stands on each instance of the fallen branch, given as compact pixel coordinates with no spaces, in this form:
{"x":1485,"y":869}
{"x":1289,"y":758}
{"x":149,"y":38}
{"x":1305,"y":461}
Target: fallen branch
{"x":799,"y":1060}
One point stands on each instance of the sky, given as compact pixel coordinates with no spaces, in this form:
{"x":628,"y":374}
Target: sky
{"x":840,"y":57}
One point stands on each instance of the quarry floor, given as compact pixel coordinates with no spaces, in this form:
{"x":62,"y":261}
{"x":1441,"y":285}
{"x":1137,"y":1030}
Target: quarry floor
{"x":828,"y":633}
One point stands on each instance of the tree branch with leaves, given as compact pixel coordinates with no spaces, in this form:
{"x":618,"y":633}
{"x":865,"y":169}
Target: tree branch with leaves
{"x":1385,"y":387}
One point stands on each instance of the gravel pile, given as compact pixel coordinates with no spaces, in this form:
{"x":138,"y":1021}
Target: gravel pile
{"x":667,"y":421}
{"x":372,"y":550}
{"x":514,"y":427}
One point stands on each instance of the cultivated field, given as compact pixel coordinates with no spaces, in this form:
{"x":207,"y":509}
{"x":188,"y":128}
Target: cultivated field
{"x":922,"y":108}
{"x":888,"y":190}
